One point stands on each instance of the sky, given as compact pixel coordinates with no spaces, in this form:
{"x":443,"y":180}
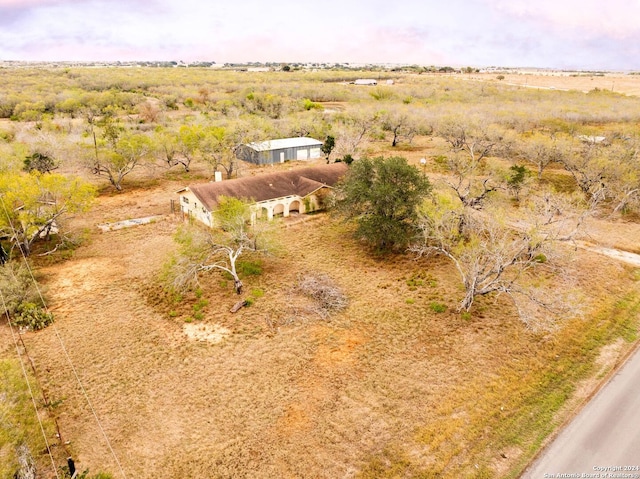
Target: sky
{"x":563,"y":34}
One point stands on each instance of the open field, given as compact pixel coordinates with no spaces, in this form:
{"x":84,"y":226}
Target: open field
{"x":398,"y":384}
{"x":389,"y":385}
{"x":584,"y":82}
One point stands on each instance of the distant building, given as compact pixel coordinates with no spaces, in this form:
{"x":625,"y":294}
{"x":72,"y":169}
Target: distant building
{"x":300,"y":190}
{"x":366,"y":81}
{"x":592,"y":139}
{"x":280,"y":150}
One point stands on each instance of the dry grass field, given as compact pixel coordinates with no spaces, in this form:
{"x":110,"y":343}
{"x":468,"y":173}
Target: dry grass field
{"x":147,"y":383}
{"x":615,"y":82}
{"x":393,"y":386}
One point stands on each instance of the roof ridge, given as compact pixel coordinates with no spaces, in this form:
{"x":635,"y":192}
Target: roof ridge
{"x":271,"y":185}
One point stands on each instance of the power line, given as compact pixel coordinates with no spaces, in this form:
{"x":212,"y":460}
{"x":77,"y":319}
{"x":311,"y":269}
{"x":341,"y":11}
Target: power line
{"x":26,"y":378}
{"x":64,"y":349}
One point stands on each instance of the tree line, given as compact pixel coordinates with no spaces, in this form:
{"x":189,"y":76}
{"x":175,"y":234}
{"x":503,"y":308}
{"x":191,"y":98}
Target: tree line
{"x":491,"y":142}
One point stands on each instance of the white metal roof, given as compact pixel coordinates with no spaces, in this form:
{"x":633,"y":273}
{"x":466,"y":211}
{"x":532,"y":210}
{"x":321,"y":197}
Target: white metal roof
{"x":284,"y":143}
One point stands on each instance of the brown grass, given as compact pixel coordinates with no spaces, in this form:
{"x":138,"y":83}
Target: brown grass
{"x":616,"y":82}
{"x":387,"y":387}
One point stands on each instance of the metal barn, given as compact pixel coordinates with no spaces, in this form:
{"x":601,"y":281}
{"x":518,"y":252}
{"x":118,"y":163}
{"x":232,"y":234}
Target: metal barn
{"x":280,"y":150}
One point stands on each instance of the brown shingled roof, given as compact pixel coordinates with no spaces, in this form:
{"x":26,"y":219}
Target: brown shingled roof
{"x":299,"y":181}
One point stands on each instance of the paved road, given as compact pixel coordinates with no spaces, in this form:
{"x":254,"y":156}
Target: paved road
{"x":606,"y":433}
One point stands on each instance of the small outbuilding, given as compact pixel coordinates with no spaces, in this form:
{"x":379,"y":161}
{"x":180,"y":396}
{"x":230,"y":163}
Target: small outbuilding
{"x":280,"y":150}
{"x":366,"y":81}
{"x":300,"y":190}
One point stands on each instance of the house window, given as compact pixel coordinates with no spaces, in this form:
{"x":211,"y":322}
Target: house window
{"x":185,"y":200}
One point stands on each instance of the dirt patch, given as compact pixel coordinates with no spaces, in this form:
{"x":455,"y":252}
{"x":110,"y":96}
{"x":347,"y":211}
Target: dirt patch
{"x":624,"y":256}
{"x":210,"y":333}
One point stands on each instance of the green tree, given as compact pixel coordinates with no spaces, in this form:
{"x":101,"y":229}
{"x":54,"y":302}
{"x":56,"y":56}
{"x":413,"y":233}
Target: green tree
{"x":123,"y":153}
{"x":382,"y":196}
{"x":220,"y":143}
{"x":189,"y":144}
{"x":516,"y":179}
{"x":33,"y":204}
{"x":328,"y":146}
{"x":40,"y":162}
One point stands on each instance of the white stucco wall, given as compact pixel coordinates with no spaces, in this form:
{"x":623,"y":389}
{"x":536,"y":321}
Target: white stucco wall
{"x":191,"y":207}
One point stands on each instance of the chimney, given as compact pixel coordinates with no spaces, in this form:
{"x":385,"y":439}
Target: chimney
{"x":217,"y":176}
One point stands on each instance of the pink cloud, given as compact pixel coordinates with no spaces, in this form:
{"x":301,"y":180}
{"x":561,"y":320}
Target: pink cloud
{"x":615,"y":18}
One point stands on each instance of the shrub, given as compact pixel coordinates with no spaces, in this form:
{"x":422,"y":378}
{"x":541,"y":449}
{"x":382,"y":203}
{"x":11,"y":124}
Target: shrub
{"x":21,"y":297}
{"x":311,"y":105}
{"x":437,"y":307}
{"x":31,"y":316}
{"x":381,"y":93}
{"x":257,"y":293}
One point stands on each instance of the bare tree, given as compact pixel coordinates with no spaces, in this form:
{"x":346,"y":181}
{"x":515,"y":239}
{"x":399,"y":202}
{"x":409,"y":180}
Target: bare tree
{"x":224,"y":257}
{"x":470,"y":147}
{"x":624,"y":175}
{"x":496,"y":256}
{"x":400,"y":123}
{"x":607,"y":172}
{"x":351,"y":130}
{"x":540,"y":150}
{"x":149,"y":110}
{"x":464,"y":137}
{"x":219,"y":249}
{"x":590,"y":165}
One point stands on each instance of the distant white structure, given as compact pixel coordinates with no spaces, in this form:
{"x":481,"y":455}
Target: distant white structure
{"x":366,"y":81}
{"x":592,"y":139}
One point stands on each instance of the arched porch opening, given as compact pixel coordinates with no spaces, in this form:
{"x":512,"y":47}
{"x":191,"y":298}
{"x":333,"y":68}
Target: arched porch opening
{"x":295,"y":207}
{"x":278,"y":210}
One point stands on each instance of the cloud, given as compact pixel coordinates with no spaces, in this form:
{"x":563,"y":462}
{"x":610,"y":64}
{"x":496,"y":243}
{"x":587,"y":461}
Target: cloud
{"x":614,"y":18}
{"x":549,"y":33}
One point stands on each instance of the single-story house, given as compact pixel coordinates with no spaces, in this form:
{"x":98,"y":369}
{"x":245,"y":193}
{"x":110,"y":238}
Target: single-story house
{"x":279,"y":150}
{"x":298,"y":190}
